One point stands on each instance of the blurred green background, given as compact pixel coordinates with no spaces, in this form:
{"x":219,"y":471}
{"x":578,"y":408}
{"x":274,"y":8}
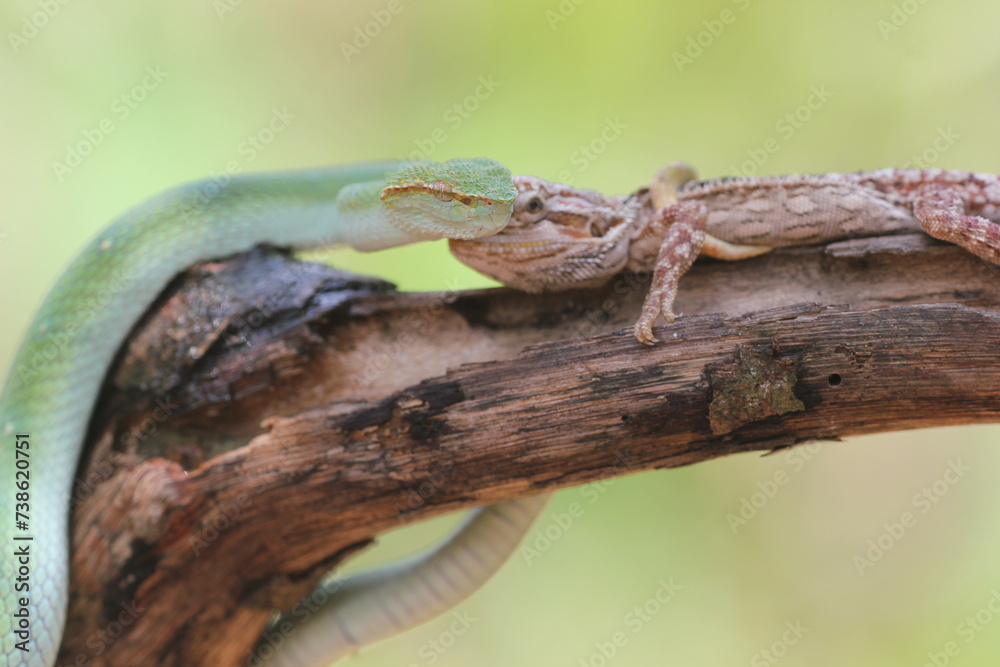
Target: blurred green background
{"x":106,"y":103}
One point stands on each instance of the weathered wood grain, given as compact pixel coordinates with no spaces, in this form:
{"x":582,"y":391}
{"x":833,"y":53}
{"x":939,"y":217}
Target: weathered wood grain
{"x":298,"y":412}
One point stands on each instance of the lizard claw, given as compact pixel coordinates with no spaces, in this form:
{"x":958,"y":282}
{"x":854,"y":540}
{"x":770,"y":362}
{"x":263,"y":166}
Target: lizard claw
{"x":644,"y":334}
{"x":651,"y":311}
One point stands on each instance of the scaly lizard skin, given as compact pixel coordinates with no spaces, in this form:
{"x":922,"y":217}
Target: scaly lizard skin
{"x":562,"y":237}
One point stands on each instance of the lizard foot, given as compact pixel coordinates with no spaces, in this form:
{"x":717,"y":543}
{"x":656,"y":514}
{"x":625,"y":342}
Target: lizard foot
{"x":731,"y":252}
{"x":942,"y":213}
{"x":668,"y":181}
{"x":684,"y":222}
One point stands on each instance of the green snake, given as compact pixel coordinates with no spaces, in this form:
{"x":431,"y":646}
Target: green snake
{"x":55,"y":376}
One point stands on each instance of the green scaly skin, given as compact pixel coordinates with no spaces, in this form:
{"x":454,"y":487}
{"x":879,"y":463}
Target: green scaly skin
{"x":57,"y":373}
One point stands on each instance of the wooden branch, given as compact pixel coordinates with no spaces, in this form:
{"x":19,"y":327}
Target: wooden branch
{"x":270,"y":417}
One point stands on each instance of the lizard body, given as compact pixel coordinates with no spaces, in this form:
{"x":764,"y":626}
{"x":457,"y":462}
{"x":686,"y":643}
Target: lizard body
{"x":562,"y":237}
{"x":781,"y":211}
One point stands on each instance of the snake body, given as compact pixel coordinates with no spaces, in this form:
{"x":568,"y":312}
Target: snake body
{"x":55,"y":377}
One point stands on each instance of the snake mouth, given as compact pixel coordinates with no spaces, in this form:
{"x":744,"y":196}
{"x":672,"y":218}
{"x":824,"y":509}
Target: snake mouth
{"x":500,"y":216}
{"x":487,"y":220}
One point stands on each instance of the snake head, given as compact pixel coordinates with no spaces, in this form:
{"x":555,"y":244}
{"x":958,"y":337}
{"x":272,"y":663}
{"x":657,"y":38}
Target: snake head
{"x":468,"y":198}
{"x":558,"y":238}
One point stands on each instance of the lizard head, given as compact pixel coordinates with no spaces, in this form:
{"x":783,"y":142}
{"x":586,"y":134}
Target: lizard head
{"x":468,"y":198}
{"x":558,"y":238}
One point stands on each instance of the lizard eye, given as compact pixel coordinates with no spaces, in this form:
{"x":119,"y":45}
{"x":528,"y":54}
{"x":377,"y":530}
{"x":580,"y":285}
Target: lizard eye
{"x":444,"y":196}
{"x":529,"y":208}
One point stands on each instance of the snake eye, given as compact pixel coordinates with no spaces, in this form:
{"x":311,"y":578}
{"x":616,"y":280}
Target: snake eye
{"x":444,"y":196}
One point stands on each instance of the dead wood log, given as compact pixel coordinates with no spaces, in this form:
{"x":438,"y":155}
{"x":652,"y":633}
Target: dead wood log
{"x":270,"y":417}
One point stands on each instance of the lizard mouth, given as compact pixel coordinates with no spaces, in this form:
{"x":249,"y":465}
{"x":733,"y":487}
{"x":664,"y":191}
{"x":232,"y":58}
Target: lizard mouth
{"x":558,"y":238}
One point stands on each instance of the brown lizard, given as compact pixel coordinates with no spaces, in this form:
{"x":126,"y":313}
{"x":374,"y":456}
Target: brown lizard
{"x":561,"y":237}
